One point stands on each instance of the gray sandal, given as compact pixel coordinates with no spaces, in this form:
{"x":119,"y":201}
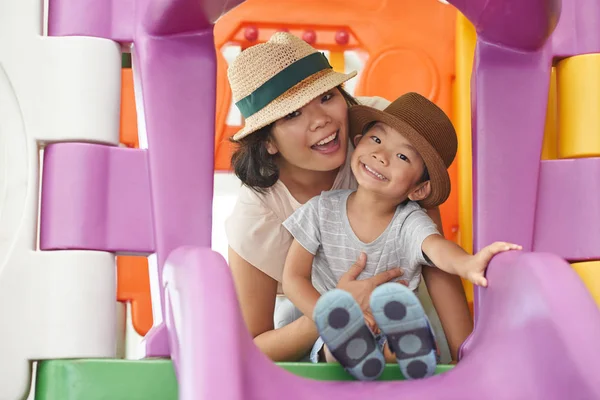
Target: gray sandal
{"x":342,"y":327}
{"x":400,"y":316}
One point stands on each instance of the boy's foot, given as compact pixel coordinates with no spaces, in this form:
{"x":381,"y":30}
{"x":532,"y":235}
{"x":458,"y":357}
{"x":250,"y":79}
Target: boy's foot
{"x":400,"y":316}
{"x":342,"y":327}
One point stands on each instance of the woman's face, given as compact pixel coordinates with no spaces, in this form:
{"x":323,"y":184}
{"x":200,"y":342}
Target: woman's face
{"x":315,"y":137}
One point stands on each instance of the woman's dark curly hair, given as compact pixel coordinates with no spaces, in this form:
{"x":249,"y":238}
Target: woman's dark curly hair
{"x":253,"y":164}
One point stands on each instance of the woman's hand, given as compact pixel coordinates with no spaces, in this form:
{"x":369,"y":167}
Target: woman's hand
{"x":361,"y":289}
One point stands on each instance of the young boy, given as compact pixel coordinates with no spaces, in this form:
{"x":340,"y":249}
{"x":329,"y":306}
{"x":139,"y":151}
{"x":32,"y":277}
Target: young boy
{"x":400,"y":163}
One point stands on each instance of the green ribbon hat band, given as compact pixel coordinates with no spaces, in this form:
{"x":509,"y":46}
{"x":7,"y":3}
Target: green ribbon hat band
{"x":282,"y":82}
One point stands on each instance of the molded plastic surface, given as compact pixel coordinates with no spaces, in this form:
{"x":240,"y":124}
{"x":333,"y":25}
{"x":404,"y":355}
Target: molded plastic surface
{"x":152,"y":379}
{"x":133,"y":285}
{"x":534,"y":302}
{"x":96,"y":198}
{"x":568,"y":209}
{"x":589,"y":272}
{"x":105,"y":379}
{"x":578,"y":118}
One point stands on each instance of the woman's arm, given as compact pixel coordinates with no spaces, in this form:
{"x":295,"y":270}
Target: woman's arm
{"x":256,"y":293}
{"x":297,"y":284}
{"x":448,"y":298}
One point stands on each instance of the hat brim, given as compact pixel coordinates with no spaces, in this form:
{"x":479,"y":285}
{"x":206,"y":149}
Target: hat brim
{"x":360,"y":116}
{"x":297,"y":97}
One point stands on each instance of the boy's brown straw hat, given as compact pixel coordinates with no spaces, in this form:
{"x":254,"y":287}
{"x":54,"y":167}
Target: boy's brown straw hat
{"x":273,"y":79}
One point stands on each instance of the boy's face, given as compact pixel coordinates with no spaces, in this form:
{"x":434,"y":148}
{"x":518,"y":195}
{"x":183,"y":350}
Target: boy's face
{"x":385,"y":163}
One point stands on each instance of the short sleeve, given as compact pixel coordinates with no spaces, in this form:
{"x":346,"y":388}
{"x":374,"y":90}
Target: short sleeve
{"x":303,"y":224}
{"x":255,"y":232}
{"x":416,"y":228}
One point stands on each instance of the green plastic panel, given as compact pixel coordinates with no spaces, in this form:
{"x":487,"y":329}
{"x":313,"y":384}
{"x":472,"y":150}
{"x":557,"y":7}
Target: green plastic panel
{"x":334,"y":372}
{"x":98,"y":379}
{"x":105,"y":379}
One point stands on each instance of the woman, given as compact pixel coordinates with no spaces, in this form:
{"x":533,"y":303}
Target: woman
{"x":293,"y":146}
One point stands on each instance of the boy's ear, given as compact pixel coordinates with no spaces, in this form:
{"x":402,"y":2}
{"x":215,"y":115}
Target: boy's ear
{"x":357,"y":139}
{"x":421,"y":192}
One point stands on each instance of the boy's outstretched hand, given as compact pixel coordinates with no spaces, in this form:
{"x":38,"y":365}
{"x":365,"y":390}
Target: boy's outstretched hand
{"x":476,"y":264}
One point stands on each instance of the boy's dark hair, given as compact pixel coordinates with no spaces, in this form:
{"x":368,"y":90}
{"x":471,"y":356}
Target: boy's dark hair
{"x":253,"y":164}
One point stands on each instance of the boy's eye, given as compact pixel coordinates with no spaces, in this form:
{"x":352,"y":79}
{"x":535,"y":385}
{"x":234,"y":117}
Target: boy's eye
{"x":376,"y":139}
{"x":326,"y":97}
{"x":292,"y":115}
{"x":402,"y":157}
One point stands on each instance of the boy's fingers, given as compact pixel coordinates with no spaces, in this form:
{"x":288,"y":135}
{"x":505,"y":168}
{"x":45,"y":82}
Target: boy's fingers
{"x":479,"y":281}
{"x":504,"y":246}
{"x":356,"y":268}
{"x":498,"y":247}
{"x":386,"y":276}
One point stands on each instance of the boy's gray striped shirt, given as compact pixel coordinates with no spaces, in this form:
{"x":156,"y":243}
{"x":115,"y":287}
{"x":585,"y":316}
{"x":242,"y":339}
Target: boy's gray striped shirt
{"x":321,"y":226}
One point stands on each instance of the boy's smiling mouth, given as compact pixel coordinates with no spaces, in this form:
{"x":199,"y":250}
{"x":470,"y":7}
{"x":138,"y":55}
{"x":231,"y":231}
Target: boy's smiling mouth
{"x":372,"y":172}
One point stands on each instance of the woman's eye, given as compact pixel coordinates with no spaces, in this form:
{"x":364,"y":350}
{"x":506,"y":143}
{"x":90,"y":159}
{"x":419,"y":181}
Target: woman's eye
{"x":376,"y":139}
{"x":326,"y":97}
{"x":292,"y":115}
{"x":402,"y":157}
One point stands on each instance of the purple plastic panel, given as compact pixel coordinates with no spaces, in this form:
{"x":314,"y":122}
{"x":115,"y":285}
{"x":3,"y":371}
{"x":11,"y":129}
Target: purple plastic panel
{"x":179,"y":106}
{"x":111,"y":19}
{"x":518,"y":24}
{"x":117,"y":19}
{"x":508,"y":129}
{"x":537,"y":339}
{"x":577,"y":31}
{"x":96,"y":197}
{"x":568,"y":209}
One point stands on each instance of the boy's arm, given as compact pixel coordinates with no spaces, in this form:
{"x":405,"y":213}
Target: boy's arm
{"x":296,"y":282}
{"x":444,"y":254}
{"x":450,"y":257}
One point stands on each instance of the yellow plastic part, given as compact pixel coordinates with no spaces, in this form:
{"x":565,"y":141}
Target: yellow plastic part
{"x":589,"y":272}
{"x":336,"y":59}
{"x":578,"y":106}
{"x":465,"y":50}
{"x":550,"y":143}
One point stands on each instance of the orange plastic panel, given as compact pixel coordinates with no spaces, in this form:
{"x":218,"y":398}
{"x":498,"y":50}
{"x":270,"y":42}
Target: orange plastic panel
{"x":133,"y":281}
{"x":223,"y":148}
{"x":129,"y":132}
{"x":133,"y":285}
{"x":409,"y":45}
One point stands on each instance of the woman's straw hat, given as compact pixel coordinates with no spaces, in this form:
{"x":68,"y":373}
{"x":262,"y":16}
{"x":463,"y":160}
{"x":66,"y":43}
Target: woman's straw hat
{"x":271,"y":80}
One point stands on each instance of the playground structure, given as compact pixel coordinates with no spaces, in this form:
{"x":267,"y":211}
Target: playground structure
{"x":536,"y":314}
